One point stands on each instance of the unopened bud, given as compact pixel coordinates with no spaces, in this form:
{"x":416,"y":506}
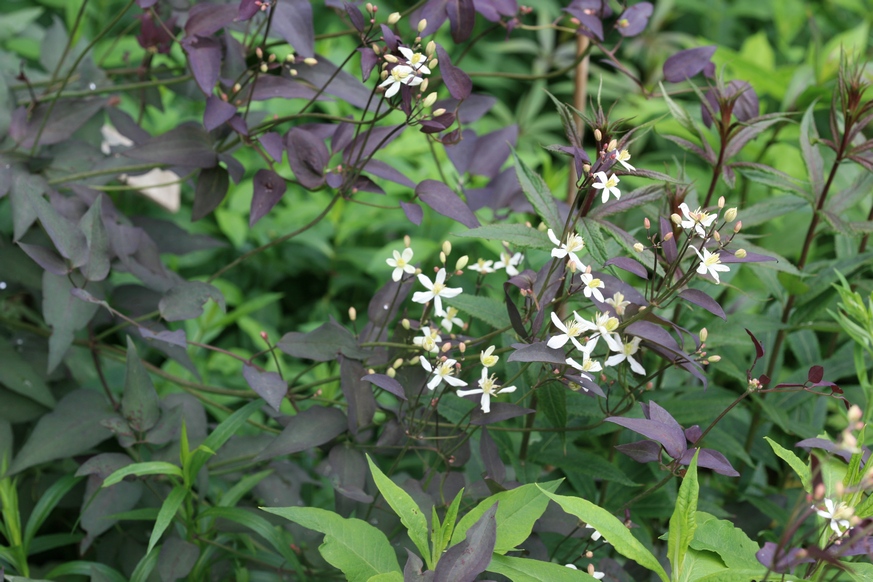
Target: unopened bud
{"x":405,"y":323}
{"x":447,"y":247}
{"x":738,"y":226}
{"x":414,"y":360}
{"x":597,"y":135}
{"x":854,"y":413}
{"x":259,"y":52}
{"x":391,"y":372}
{"x":289,"y":58}
{"x":675,"y":218}
{"x":446,"y":347}
{"x":713,"y":359}
{"x":422,"y":24}
{"x":438,"y":112}
{"x":383,"y":75}
{"x":264,"y":68}
{"x":423,"y":88}
{"x":638,"y":247}
{"x":717,"y":236}
{"x":669,"y":236}
{"x":730,"y":214}
{"x":394,"y":18}
{"x":271,"y":58}
{"x":264,"y":335}
{"x":406,"y":240}
{"x":462,"y":347}
{"x":612,"y":145}
{"x":353,"y":314}
{"x":377,"y":49}
{"x":704,"y":333}
{"x":720,"y":202}
{"x":462,"y":262}
{"x":740,"y":254}
{"x":647,"y":223}
{"x":430,"y":49}
{"x":293,"y":72}
{"x":397,"y":363}
{"x":369,"y":7}
{"x":390,"y":58}
{"x":371,"y":371}
{"x":586,"y":168}
{"x":432,"y":64}
{"x":237,"y":87}
{"x":430,"y":99}
{"x":442,"y":257}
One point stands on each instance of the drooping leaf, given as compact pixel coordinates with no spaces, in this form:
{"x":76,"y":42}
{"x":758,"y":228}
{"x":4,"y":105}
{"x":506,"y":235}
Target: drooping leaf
{"x":537,"y":352}
{"x":310,"y":428}
{"x":97,"y":264}
{"x":703,"y":300}
{"x":217,"y":112}
{"x":500,"y":411}
{"x":139,"y":403}
{"x":683,"y":522}
{"x":462,"y":17}
{"x":185,"y":301}
{"x":292,"y":20}
{"x":211,"y":188}
{"x":387,"y":383}
{"x":672,"y":438}
{"x":442,"y":199}
{"x":67,"y":237}
{"x":206,"y":19}
{"x":630,"y":265}
{"x":268,"y":385}
{"x":710,"y":459}
{"x":307,"y":156}
{"x":65,"y":118}
{"x":187,"y":145}
{"x":46,"y":258}
{"x":204,"y":58}
{"x":538,"y":194}
{"x":464,"y":561}
{"x":269,"y":187}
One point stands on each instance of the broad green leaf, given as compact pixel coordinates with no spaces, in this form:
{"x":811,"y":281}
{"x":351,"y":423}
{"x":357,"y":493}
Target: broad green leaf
{"x":612,"y":529}
{"x":387,"y":577}
{"x":538,"y":194}
{"x":406,"y":509}
{"x":683,"y":522}
{"x":731,"y":543}
{"x":733,"y":575}
{"x":517,"y":512}
{"x":441,"y":540}
{"x":140,"y":469}
{"x":139,"y":403}
{"x":525,"y":570}
{"x":861,"y":572}
{"x":219,"y":436}
{"x":519,"y":235}
{"x":489,"y":310}
{"x":17,"y":375}
{"x":590,"y":231}
{"x":700,"y":564}
{"x":354,"y":546}
{"x":794,"y":462}
{"x":13,"y":23}
{"x":47,"y":502}
{"x":165,"y":516}
{"x":274,"y":535}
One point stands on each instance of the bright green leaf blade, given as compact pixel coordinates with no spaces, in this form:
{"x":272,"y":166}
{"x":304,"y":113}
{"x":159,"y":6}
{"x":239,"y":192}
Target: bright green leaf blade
{"x":387,"y":577}
{"x":139,"y":404}
{"x":219,"y":436}
{"x":354,"y":546}
{"x":140,"y":469}
{"x":165,"y":516}
{"x":145,"y":567}
{"x":683,"y":522}
{"x":612,"y":529}
{"x":538,"y":194}
{"x":486,"y":309}
{"x":519,"y":235}
{"x":46,"y":504}
{"x":406,"y":509}
{"x":794,"y":462}
{"x":448,"y":526}
{"x":731,"y":543}
{"x":525,"y":570}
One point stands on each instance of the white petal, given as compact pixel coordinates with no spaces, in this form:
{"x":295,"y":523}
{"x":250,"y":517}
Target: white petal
{"x":395,"y":276}
{"x":406,"y":52}
{"x":506,"y":390}
{"x":440,"y":277}
{"x":454,"y":381}
{"x":558,"y":323}
{"x":393,"y":89}
{"x":450,"y":292}
{"x":469,"y":392}
{"x":424,"y":363}
{"x":438,"y":306}
{"x":485,"y":401}
{"x":434,"y":382}
{"x":636,"y":367}
{"x":615,"y":360}
{"x":552,"y":237}
{"x":425,"y":280}
{"x":422,"y":296}
{"x":558,"y":341}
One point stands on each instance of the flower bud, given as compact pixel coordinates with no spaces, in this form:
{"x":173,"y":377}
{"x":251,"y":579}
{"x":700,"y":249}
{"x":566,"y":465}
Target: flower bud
{"x":406,"y":240}
{"x":432,"y":64}
{"x":447,"y":248}
{"x":854,"y":413}
{"x":740,"y":254}
{"x":264,"y":68}
{"x":713,"y":359}
{"x":647,"y":223}
{"x":370,"y":8}
{"x":462,"y":262}
{"x":371,"y":371}
{"x":376,"y":48}
{"x":237,"y":87}
{"x":704,"y":333}
{"x":638,"y":247}
{"x":597,"y":135}
{"x":438,"y":112}
{"x":430,"y":99}
{"x":717,"y":236}
{"x":405,"y":323}
{"x":422,"y":24}
{"x":393,"y":18}
{"x":612,"y":145}
{"x":390,"y":58}
{"x":414,"y":360}
{"x":423,"y":89}
{"x":738,"y":226}
{"x":462,"y":347}
{"x":669,"y":236}
{"x":293,"y":72}
{"x":353,"y":314}
{"x":383,"y":75}
{"x":271,"y":58}
{"x":289,"y":58}
{"x":443,"y":257}
{"x":720,"y":202}
{"x":391,"y":372}
{"x":730,"y":214}
{"x":259,"y":52}
{"x":446,"y":347}
{"x":676,"y":218}
{"x":430,"y":49}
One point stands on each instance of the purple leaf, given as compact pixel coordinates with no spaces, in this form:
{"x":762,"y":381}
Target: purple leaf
{"x":205,"y":18}
{"x":461,"y":152}
{"x":65,"y":118}
{"x":464,"y":561}
{"x":235,"y":169}
{"x":493,"y":10}
{"x":292,"y":20}
{"x":826,"y":445}
{"x":499,"y":411}
{"x":269,"y":187}
{"x":592,"y":26}
{"x":492,"y":150}
{"x":630,"y":265}
{"x":272,"y":143}
{"x":186,"y":300}
{"x":711,"y":460}
{"x":442,"y":199}
{"x":660,"y":427}
{"x":538,"y":352}
{"x":46,"y":258}
{"x":470,"y":109}
{"x":348,"y":472}
{"x":815,"y":374}
{"x":703,"y":300}
{"x":693,"y":434}
{"x":759,"y":349}
{"x":268,"y":385}
{"x":355,"y":16}
{"x":383,"y":170}
{"x":204,"y":57}
{"x":217,"y":112}
{"x":67,"y":237}
{"x":392,"y":41}
{"x":176,"y":558}
{"x":642,"y":451}
{"x":307,"y":156}
{"x":685,"y":64}
{"x":144,"y":4}
{"x":274,"y":86}
{"x":187,"y":145}
{"x":386,"y":383}
{"x":176,"y":338}
{"x":634,"y":20}
{"x":413,"y":212}
{"x":461,"y":16}
{"x":366,"y":144}
{"x":369,"y":60}
{"x":247,"y":9}
{"x":727,"y":256}
{"x":781,"y":560}
{"x":359,"y":395}
{"x":668,"y":246}
{"x":457,"y":81}
{"x":322,"y":344}
{"x":212,"y":185}
{"x":494,"y":467}
{"x":310,"y":428}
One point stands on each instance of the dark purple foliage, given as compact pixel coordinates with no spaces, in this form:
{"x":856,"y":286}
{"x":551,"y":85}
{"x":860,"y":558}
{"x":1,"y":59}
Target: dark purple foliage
{"x":209,"y":191}
{"x":642,"y":451}
{"x":268,"y":385}
{"x":500,"y":411}
{"x":703,"y":300}
{"x":442,"y":199}
{"x":685,"y":64}
{"x":292,"y":20}
{"x":663,"y":429}
{"x":462,"y":16}
{"x":537,"y":352}
{"x":355,"y":16}
{"x":759,"y":349}
{"x":711,"y":460}
{"x":738,"y":96}
{"x":463,"y":562}
{"x":187,"y":145}
{"x":494,"y":10}
{"x":387,"y":383}
{"x":413,"y":212}
{"x":205,"y":19}
{"x":307,"y":156}
{"x":269,"y":187}
{"x":457,"y":81}
{"x":155,"y":36}
{"x":247,"y":9}
{"x":630,"y":265}
{"x":634,"y":20}
{"x":217,"y":112}
{"x":779,"y":560}
{"x":272,"y":143}
{"x":204,"y":57}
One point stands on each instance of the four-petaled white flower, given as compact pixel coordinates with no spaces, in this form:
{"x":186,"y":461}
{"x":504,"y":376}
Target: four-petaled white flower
{"x":696,"y":219}
{"x":400,"y":75}
{"x":837,"y":514}
{"x":509,"y":262}
{"x":573,"y":328}
{"x":608,"y":185}
{"x":605,"y":325}
{"x":710,"y":263}
{"x":415,"y":60}
{"x":487,"y":357}
{"x":429,"y":339}
{"x":451,"y":319}
{"x":622,"y":158}
{"x":618,"y":303}
{"x":573,"y":245}
{"x":401,"y":265}
{"x":488,"y":388}
{"x":436,"y":290}
{"x":587,"y":365}
{"x":442,"y":373}
{"x":592,"y":286}
{"x":626,"y":353}
{"x":482,"y":266}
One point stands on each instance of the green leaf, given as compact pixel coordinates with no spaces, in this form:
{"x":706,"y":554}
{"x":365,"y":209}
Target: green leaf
{"x":489,"y":310}
{"x":274,"y":535}
{"x":683,"y":522}
{"x":232,"y":496}
{"x":538,"y":194}
{"x":186,"y":300}
{"x":387,"y":577}
{"x":13,"y":23}
{"x":731,"y":543}
{"x":354,"y":546}
{"x":519,"y":235}
{"x":517,"y":512}
{"x":219,"y":436}
{"x":139,"y":404}
{"x":83,"y":568}
{"x":165,"y":516}
{"x":590,"y":231}
{"x":793,"y":284}
{"x":441,"y":540}
{"x":612,"y":529}
{"x":525,"y":570}
{"x":552,"y":398}
{"x":145,"y":567}
{"x":47,"y":502}
{"x":17,"y":375}
{"x":809,"y":149}
{"x":406,"y":509}
{"x":794,"y":462}
{"x":140,"y":469}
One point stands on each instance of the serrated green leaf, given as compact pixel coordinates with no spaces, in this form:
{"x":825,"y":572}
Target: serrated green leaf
{"x":140,"y":469}
{"x":166,"y":514}
{"x":683,"y":522}
{"x":612,"y":529}
{"x":519,"y":235}
{"x":354,"y":546}
{"x":526,"y":570}
{"x":590,"y":231}
{"x":538,"y":194}
{"x":406,"y":509}
{"x":486,"y":309}
{"x":732,"y":544}
{"x":139,"y":403}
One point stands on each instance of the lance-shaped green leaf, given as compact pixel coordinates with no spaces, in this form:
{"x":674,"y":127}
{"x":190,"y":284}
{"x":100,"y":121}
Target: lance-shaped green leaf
{"x":519,"y":235}
{"x":794,"y":462}
{"x":526,"y":570}
{"x":139,"y":404}
{"x":354,"y":546}
{"x":406,"y":509}
{"x":683,"y":522}
{"x":218,"y":437}
{"x":165,"y":516}
{"x":140,"y":469}
{"x":538,"y":194}
{"x":612,"y":529}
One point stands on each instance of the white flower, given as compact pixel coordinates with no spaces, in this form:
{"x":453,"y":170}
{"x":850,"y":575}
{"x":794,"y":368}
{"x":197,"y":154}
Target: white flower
{"x":429,"y":339}
{"x":400,"y":75}
{"x":451,"y":319}
{"x":509,"y":262}
{"x":488,"y":360}
{"x":574,"y":244}
{"x":442,"y":373}
{"x":622,"y":158}
{"x":401,"y":265}
{"x":488,"y":387}
{"x":626,"y":352}
{"x":592,"y":286}
{"x":837,"y":515}
{"x":482,"y":266}
{"x":415,"y":60}
{"x":587,"y":365}
{"x":608,"y":185}
{"x":571,"y":566}
{"x":618,"y":303}
{"x":698,"y":219}
{"x":596,"y":535}
{"x":605,"y":325}
{"x":710,"y":263}
{"x":572,"y":329}
{"x":436,"y":290}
